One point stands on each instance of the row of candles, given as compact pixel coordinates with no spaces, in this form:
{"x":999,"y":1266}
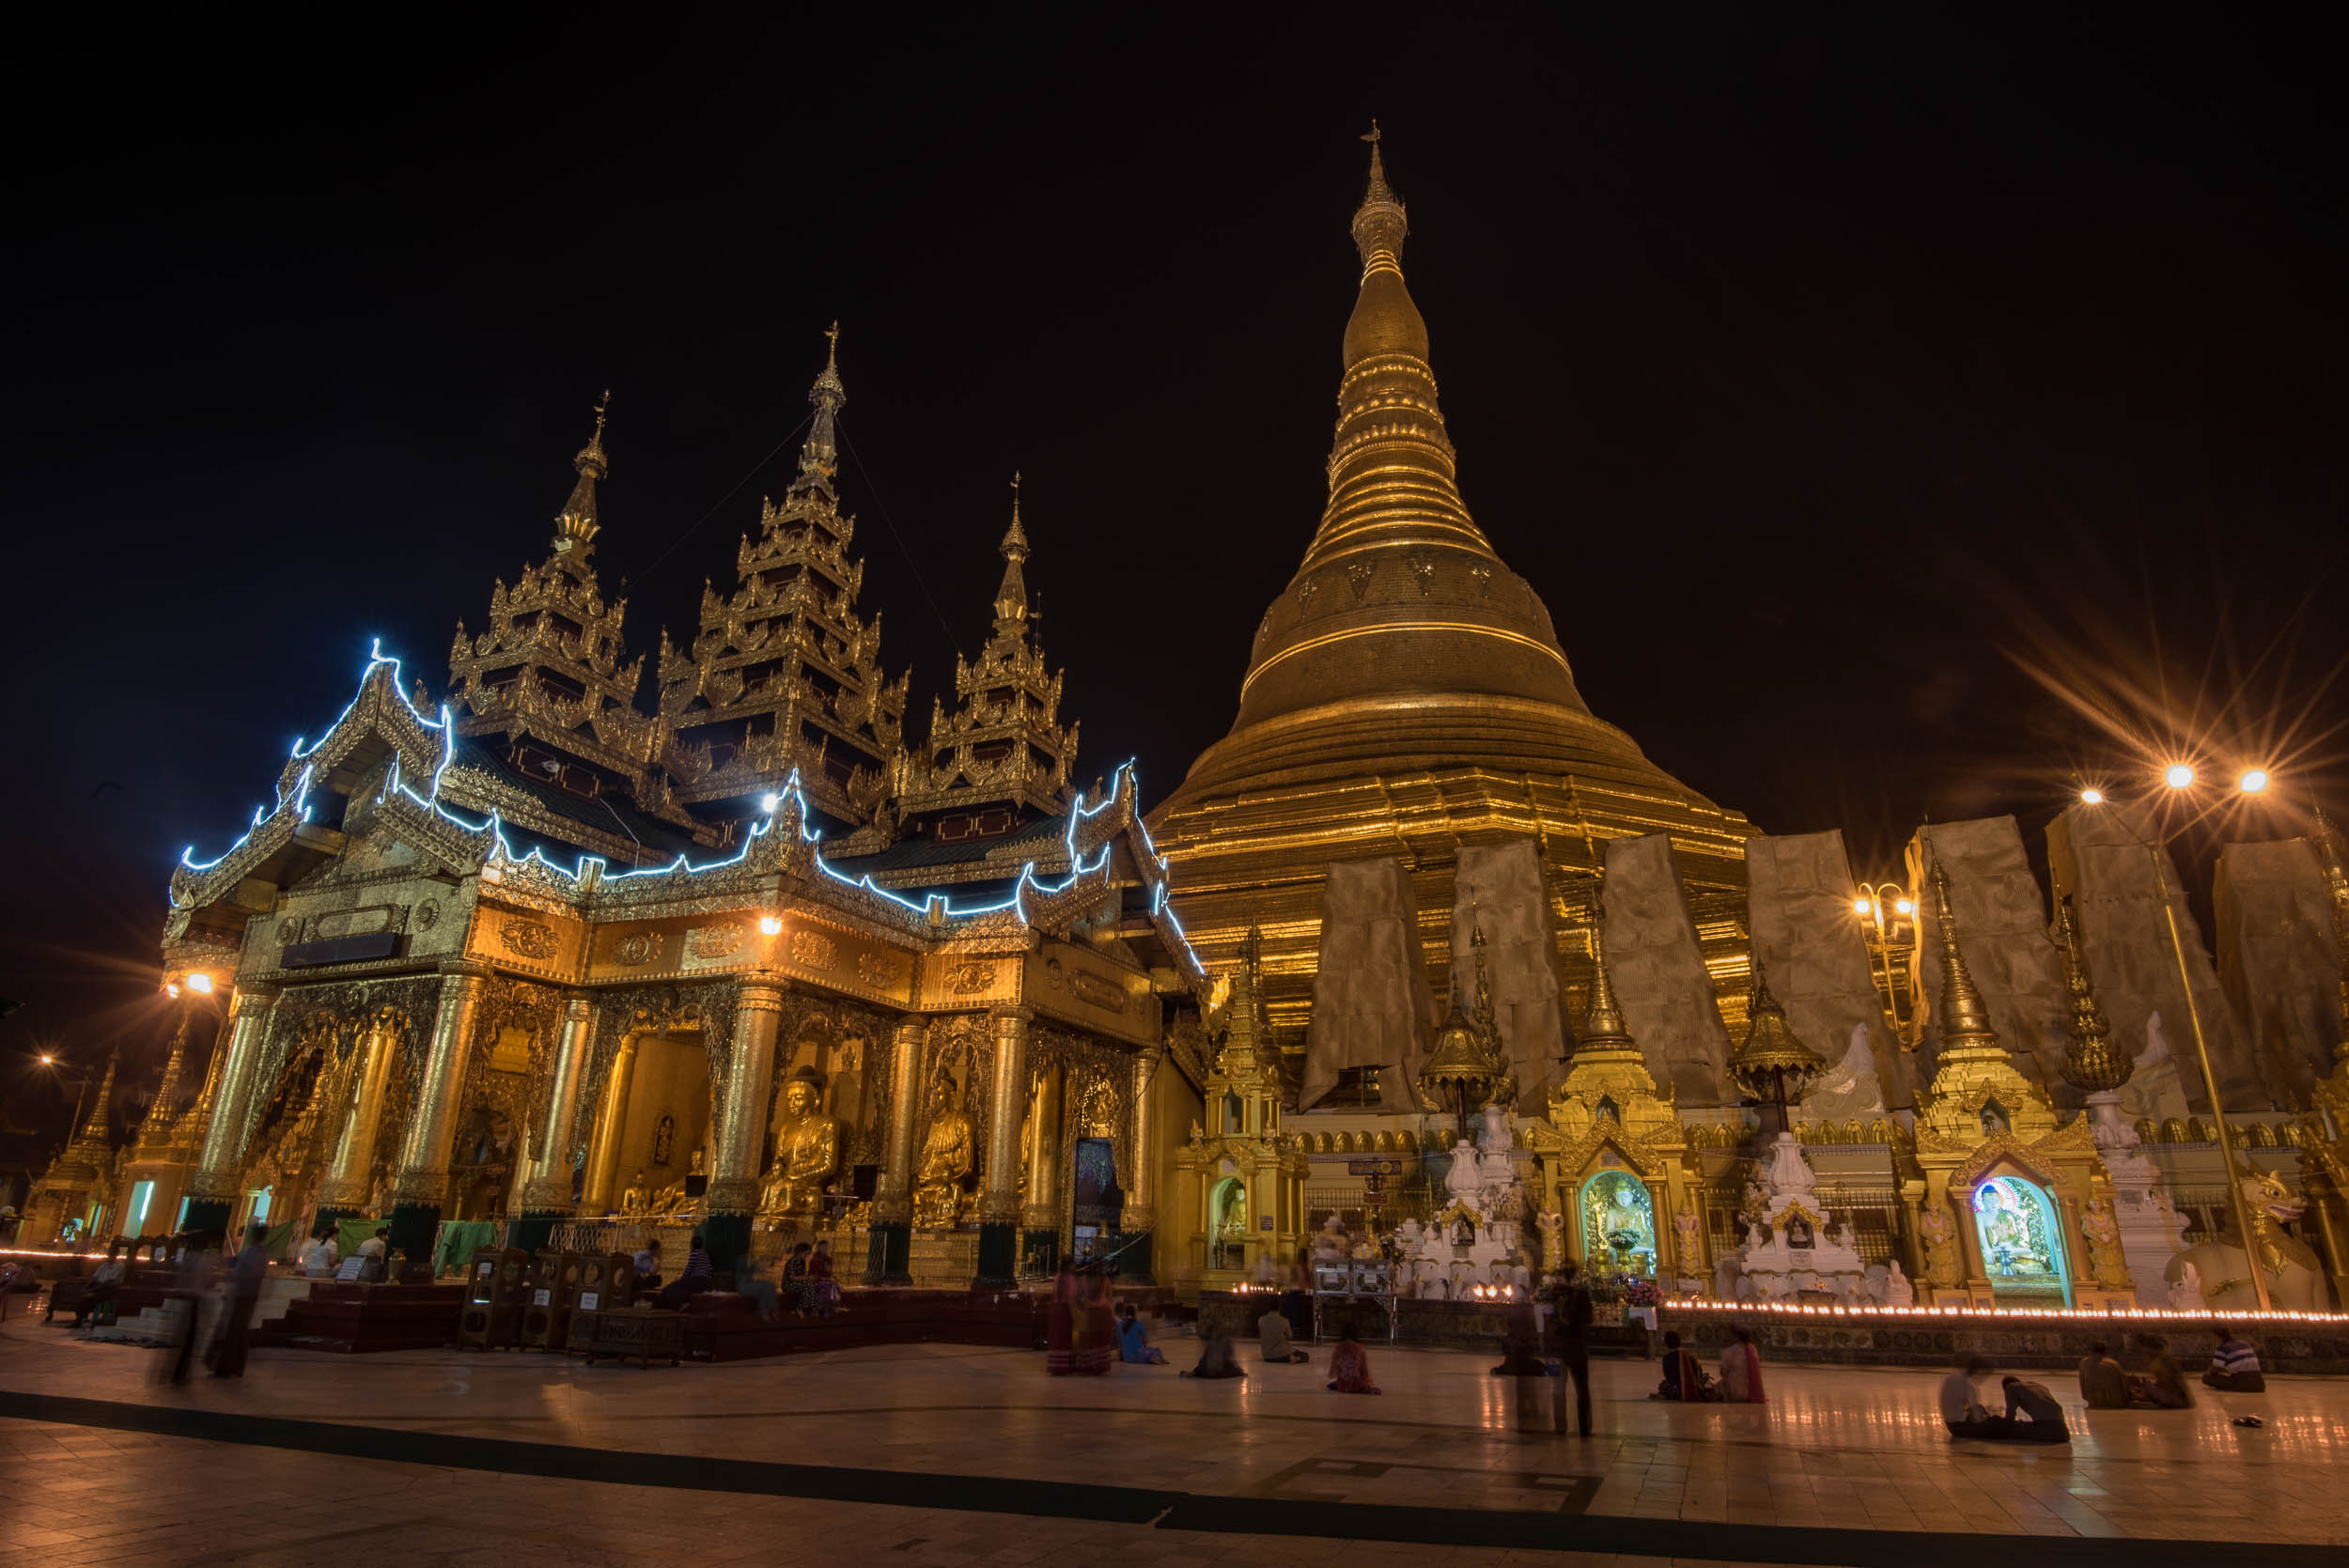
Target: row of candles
{"x":2149,"y":1315}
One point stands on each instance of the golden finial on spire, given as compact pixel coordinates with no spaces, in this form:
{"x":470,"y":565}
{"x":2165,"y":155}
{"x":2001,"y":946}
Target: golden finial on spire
{"x":1603,"y":1026}
{"x":575,"y":526}
{"x":2091,"y":1064}
{"x":819,"y":458}
{"x":1380,"y":223}
{"x":1011,"y":597}
{"x":832,"y":354}
{"x":1964,"y":1018}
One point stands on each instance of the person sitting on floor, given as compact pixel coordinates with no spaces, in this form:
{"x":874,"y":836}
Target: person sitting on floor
{"x":2234,"y":1366}
{"x":324,"y":1254}
{"x":98,"y":1303}
{"x":376,"y":1250}
{"x":1684,"y":1376}
{"x":1963,"y":1414}
{"x":647,"y":1265}
{"x":1273,"y":1335}
{"x":1216,"y":1360}
{"x":2102,"y":1385}
{"x":750,"y":1278}
{"x":1519,"y":1356}
{"x":698,"y":1277}
{"x":1134,"y":1338}
{"x":2045,"y":1424}
{"x":1349,"y":1369}
{"x":2163,"y":1387}
{"x":1741,"y":1368}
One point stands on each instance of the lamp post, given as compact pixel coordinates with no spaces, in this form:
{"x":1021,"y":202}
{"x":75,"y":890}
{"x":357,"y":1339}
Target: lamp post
{"x":1871,"y":903}
{"x":2179,"y":776}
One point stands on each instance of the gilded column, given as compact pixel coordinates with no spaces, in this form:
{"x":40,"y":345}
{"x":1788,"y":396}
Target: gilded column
{"x":603,"y":1148}
{"x":344,"y":1189}
{"x":220,"y":1171}
{"x":1040,"y":1213}
{"x":999,"y":1198}
{"x":1140,"y":1183}
{"x":742,"y":1128}
{"x":891,"y":1256}
{"x":546,"y":1193}
{"x":422,"y":1179}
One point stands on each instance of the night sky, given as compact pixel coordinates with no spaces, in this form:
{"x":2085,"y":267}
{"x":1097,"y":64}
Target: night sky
{"x":1818,"y":379}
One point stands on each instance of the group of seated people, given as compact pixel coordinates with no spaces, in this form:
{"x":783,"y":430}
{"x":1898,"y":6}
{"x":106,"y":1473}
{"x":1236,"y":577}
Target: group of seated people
{"x":1350,"y":1363}
{"x":2104,"y":1385}
{"x":2032,"y":1415}
{"x":1740,"y":1379}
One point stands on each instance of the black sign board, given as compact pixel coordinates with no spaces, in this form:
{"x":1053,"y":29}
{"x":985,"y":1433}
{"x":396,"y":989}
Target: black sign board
{"x":1374,"y":1166}
{"x":342,"y":950}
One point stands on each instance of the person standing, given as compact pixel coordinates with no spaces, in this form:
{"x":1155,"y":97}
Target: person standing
{"x":1060,"y":1323}
{"x":1569,"y":1330}
{"x":229,"y":1346}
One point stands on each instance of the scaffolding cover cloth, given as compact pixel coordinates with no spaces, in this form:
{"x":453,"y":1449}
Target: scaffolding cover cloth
{"x":1660,"y":973}
{"x":1499,"y":887}
{"x":2280,"y":962}
{"x":2003,"y":936}
{"x":2097,"y":855}
{"x":1371,"y":1007}
{"x":1814,"y":951}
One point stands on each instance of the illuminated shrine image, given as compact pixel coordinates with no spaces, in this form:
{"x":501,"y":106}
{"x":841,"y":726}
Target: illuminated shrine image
{"x":1619,"y":1225}
{"x":2022,"y":1246}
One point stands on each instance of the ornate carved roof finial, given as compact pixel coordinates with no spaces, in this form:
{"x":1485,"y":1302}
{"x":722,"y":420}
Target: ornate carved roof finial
{"x":1964,"y":1018}
{"x":1011,"y":599}
{"x":575,"y":526}
{"x":819,"y":459}
{"x":1771,"y":1064}
{"x":2091,"y":1063}
{"x":1602,"y":1026}
{"x":164,"y":1106}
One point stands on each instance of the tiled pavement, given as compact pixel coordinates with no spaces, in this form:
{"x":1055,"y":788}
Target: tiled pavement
{"x":1858,"y":1452}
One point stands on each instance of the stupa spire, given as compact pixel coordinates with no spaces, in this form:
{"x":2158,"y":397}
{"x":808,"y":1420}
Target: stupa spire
{"x":819,"y":458}
{"x":1011,"y":600}
{"x":162,"y":1110}
{"x":1964,"y":1017}
{"x":2090,"y":1061}
{"x":575,"y":526}
{"x":1603,"y":1026}
{"x":94,"y":1125}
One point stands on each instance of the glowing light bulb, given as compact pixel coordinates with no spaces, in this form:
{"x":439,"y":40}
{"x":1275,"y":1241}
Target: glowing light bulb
{"x":201,"y":984}
{"x":770,"y":925}
{"x":2178,"y":776}
{"x":2091,"y":796}
{"x":1861,"y":906}
{"x":170,"y":990}
{"x":2252,"y":782}
{"x":1904,"y":907}
{"x":47,"y":1060}
{"x":769,"y":804}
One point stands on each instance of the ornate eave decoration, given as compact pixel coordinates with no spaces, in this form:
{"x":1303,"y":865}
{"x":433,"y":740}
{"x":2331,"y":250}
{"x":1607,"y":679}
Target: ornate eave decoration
{"x":1643,"y":1156}
{"x":1105,"y":844}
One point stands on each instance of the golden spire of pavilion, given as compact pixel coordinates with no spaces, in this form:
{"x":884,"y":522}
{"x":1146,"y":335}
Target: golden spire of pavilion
{"x":1011,"y":600}
{"x":819,"y":458}
{"x":575,"y":526}
{"x":1964,"y":1018}
{"x":162,"y":1109}
{"x":2091,"y":1063}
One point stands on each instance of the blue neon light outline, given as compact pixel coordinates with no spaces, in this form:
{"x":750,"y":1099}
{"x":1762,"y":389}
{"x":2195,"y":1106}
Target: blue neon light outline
{"x":933,"y":906}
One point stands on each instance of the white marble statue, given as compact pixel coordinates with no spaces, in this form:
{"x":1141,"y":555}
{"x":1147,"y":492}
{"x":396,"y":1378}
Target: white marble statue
{"x":2187,"y":1295}
{"x":1898,"y":1291}
{"x":1850,"y":1089}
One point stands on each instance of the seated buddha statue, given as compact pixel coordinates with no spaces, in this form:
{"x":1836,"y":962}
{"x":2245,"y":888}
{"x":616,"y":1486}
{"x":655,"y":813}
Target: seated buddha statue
{"x":945,"y":1160}
{"x":807,"y":1150}
{"x":677,"y":1197}
{"x":635,"y":1198}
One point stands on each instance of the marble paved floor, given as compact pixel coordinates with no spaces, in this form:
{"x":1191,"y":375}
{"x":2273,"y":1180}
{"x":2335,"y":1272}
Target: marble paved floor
{"x":1859,"y":1453}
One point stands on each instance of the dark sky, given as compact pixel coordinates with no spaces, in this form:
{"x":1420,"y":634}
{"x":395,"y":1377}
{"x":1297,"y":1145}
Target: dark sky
{"x":1811,"y":375}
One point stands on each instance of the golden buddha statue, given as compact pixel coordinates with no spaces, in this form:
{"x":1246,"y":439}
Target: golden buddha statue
{"x":807,"y":1150}
{"x":635,"y":1198}
{"x":945,"y":1161}
{"x":674,"y":1198}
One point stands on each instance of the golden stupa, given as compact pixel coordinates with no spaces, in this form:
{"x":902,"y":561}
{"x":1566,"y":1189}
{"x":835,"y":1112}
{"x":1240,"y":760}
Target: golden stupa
{"x":1407,"y":694}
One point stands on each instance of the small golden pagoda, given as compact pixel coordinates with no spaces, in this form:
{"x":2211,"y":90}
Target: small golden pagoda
{"x":2012,"y":1204}
{"x":78,"y":1187}
{"x":1241,"y":1185}
{"x":1608,"y":1127}
{"x":162,"y":1156}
